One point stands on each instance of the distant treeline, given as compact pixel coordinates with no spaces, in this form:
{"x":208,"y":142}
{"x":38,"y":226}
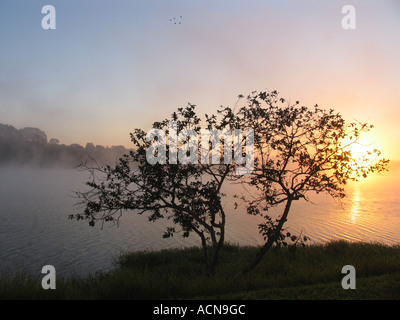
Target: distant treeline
{"x":30,"y":147}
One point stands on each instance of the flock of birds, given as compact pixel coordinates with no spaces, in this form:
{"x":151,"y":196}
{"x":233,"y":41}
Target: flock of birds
{"x":175,"y":20}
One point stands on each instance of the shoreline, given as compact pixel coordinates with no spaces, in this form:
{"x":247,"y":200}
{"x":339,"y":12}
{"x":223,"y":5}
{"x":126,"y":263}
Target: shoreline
{"x":310,"y":272}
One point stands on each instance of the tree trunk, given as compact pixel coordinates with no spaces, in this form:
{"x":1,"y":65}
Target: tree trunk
{"x":271,"y":240}
{"x":215,"y":254}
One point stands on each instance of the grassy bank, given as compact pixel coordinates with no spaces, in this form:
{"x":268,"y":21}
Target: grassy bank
{"x":312,"y":272}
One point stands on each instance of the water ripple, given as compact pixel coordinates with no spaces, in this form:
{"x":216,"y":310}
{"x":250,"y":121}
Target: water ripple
{"x":35,"y":231}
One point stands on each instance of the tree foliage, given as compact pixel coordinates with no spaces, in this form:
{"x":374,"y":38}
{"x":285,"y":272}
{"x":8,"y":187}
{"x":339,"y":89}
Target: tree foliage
{"x":187,"y":194}
{"x":298,"y":151}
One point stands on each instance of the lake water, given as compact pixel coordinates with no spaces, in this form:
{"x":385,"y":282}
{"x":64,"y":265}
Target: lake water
{"x":35,"y":229}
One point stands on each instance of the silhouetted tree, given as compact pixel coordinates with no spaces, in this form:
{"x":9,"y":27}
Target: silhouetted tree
{"x":54,"y":141}
{"x":187,"y":194}
{"x":34,"y":135}
{"x":298,"y":150}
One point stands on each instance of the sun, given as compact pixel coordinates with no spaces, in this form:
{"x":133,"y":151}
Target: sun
{"x":363,"y":152}
{"x":358,"y":150}
{"x":363,"y":147}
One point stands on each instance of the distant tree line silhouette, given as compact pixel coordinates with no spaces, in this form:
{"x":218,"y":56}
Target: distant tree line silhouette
{"x":30,"y":147}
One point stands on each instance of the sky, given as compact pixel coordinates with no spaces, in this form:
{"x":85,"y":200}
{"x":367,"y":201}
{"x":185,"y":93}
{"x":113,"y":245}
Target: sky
{"x":111,"y":66}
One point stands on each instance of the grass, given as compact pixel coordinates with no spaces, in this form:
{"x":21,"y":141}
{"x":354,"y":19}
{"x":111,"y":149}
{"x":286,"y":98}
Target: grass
{"x":312,"y":272}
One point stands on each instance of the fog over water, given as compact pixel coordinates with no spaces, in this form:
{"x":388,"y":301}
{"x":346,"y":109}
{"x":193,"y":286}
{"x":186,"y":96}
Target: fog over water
{"x":35,"y":229}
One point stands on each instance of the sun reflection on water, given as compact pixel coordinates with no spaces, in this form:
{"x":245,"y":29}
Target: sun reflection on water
{"x":355,"y":207}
